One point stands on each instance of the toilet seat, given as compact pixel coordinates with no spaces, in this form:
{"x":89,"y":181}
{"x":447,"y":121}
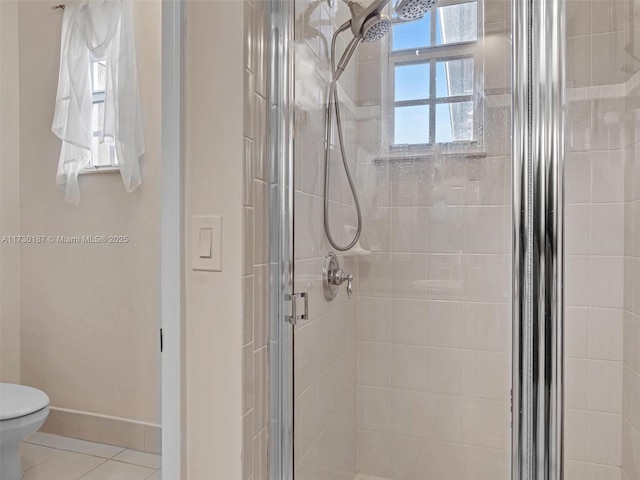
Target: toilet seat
{"x":19,"y":400}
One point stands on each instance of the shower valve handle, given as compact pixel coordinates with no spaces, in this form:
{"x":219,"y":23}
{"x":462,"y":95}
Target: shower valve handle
{"x":338,"y":277}
{"x":333,"y":276}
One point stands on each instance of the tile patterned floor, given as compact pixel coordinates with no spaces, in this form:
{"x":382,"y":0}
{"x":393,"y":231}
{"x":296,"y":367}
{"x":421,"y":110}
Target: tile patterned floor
{"x":51,"y":457}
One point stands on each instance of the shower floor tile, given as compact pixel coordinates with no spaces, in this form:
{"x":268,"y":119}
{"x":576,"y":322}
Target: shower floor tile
{"x":52,"y":457}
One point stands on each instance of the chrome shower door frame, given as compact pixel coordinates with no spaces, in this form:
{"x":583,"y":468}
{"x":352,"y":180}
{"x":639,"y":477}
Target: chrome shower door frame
{"x":538,"y":86}
{"x":281,"y":236}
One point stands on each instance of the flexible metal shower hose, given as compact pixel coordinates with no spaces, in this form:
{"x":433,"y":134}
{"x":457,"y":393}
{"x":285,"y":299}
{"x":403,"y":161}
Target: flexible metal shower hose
{"x":333,"y":101}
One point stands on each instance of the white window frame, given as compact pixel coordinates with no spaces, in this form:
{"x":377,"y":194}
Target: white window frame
{"x":432,"y":55}
{"x":98,"y":96}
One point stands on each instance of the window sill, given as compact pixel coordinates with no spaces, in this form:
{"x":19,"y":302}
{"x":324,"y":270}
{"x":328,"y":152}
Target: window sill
{"x":92,"y":170}
{"x":425,"y":152}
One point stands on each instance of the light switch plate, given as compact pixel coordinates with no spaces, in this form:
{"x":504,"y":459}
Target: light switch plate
{"x":206,"y":243}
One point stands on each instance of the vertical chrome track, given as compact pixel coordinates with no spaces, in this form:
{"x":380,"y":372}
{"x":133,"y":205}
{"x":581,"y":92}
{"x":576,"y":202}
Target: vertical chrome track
{"x":520,"y":423}
{"x":280,"y":17}
{"x":538,"y":246}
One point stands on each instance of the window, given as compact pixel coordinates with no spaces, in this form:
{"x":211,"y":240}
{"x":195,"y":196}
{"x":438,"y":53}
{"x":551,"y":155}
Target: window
{"x":103,"y":150}
{"x":433,"y":72}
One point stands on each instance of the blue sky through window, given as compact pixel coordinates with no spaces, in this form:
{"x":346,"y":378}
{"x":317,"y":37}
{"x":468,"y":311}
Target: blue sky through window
{"x":412,"y":81}
{"x":410,"y":35}
{"x":412,"y":125}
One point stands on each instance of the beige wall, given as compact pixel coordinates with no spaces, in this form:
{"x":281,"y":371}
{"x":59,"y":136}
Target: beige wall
{"x":90,"y":320}
{"x":84,"y":347}
{"x":214,"y":157}
{"x":9,"y":195}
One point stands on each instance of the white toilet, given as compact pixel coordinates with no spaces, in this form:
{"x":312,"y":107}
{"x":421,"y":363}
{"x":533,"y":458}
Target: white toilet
{"x":23,"y":410}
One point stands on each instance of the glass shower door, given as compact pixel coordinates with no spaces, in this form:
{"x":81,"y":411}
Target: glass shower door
{"x":410,"y":376}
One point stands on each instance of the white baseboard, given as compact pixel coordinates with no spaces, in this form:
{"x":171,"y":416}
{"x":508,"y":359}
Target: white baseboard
{"x":121,"y":432}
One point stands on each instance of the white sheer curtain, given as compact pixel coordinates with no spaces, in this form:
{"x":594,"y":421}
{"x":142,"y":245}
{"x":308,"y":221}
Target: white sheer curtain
{"x":104,"y":29}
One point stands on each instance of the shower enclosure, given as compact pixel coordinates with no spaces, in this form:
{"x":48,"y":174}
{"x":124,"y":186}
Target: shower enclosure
{"x":493,"y":327}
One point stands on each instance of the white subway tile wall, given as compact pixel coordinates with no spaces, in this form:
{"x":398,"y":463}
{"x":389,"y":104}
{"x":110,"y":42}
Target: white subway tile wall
{"x":434,"y":329}
{"x":599,"y":238}
{"x":255,"y":280}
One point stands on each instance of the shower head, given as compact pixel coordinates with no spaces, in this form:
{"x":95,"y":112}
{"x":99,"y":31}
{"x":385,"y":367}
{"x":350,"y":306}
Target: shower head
{"x":375,"y":28}
{"x":369,"y":23}
{"x":413,"y":9}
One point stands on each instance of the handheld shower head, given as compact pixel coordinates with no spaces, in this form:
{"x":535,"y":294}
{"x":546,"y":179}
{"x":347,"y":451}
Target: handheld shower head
{"x":375,"y":28}
{"x":413,"y":9}
{"x":369,"y":22}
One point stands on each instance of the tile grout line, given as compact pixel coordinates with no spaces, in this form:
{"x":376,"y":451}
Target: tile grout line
{"x":96,"y":467}
{"x":58,"y":452}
